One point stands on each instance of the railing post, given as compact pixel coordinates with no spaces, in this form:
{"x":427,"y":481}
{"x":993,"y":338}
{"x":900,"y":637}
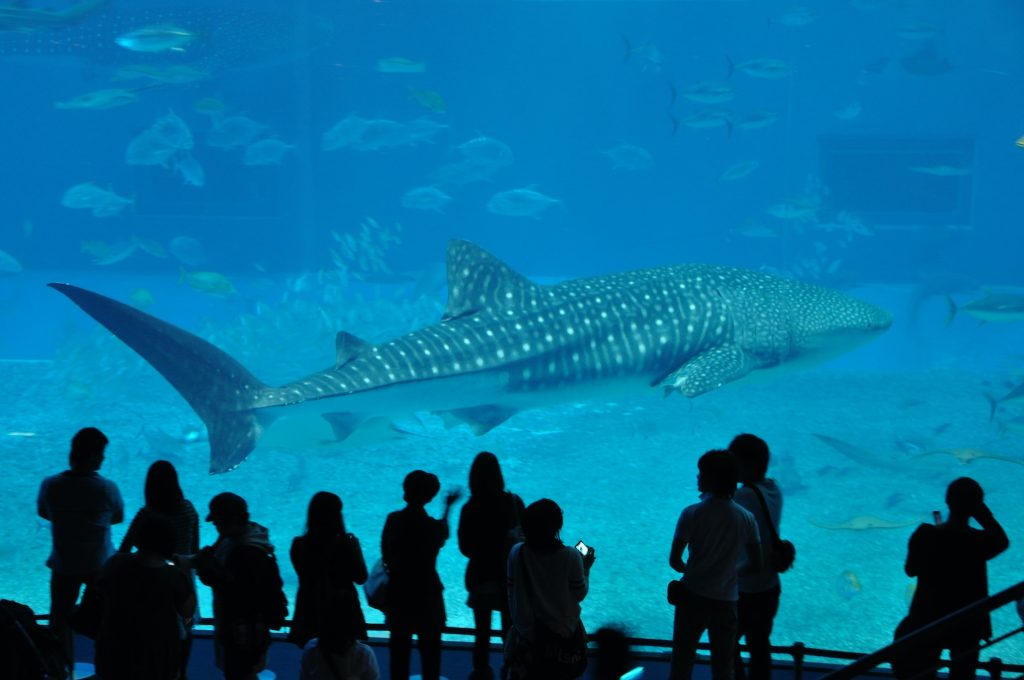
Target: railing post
{"x":798,"y":660}
{"x":995,"y":668}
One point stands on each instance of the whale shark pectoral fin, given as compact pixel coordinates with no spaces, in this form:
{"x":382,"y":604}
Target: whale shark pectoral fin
{"x":481,"y":419}
{"x":707,"y":371}
{"x":347,"y":347}
{"x":343,"y":424}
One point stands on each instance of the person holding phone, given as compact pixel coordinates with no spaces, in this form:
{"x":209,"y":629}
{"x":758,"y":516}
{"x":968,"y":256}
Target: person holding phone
{"x":547,"y":581}
{"x":950,"y":563}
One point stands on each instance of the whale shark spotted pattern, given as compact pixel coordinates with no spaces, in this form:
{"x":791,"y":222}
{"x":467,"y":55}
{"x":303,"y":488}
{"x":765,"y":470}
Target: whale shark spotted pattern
{"x":505,"y":344}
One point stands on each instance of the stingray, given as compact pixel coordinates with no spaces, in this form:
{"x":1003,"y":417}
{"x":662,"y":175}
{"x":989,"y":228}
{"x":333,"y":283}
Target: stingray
{"x":966,"y":456}
{"x":863,"y":523}
{"x":926,"y":62}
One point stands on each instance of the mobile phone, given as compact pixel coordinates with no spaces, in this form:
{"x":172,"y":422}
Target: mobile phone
{"x":936,"y":516}
{"x":583,"y":548}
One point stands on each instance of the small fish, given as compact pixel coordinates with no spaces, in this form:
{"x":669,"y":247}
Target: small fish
{"x":156,"y":39}
{"x":849,"y":585}
{"x":848,"y":112}
{"x":425,"y":198}
{"x":796,"y":209}
{"x":188,"y":251}
{"x":141,"y":298}
{"x":99,"y":100}
{"x":400,"y":65}
{"x":942,"y":170}
{"x":761,"y":67}
{"x":738,"y":171}
{"x":1020,"y":142}
{"x":751,"y":229}
{"x":266,"y":152}
{"x":486,"y":151}
{"x":213,"y":283}
{"x":233,"y":132}
{"x":210,"y":106}
{"x":994,"y":307}
{"x":629,"y":157}
{"x":648,"y":56}
{"x":757,"y":120}
{"x":8,"y":263}
{"x":709,"y":92}
{"x":796,"y":16}
{"x":428,"y":99}
{"x":88,"y":196}
{"x":526,"y":202}
{"x":709,"y":119}
{"x":864,"y":523}
{"x":106,"y":255}
{"x":192,"y":173}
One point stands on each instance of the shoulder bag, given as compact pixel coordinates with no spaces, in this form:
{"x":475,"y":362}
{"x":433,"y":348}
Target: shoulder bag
{"x":783,"y":552}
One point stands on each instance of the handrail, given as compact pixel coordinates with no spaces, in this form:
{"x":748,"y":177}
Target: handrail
{"x":931,"y":631}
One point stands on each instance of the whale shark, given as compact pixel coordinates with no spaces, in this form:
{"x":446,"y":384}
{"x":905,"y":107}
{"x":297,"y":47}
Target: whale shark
{"x":505,"y":344}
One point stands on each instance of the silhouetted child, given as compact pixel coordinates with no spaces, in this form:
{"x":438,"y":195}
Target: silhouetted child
{"x":337,"y":654}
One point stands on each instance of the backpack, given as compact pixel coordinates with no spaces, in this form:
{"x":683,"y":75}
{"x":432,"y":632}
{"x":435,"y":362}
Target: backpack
{"x":29,"y":651}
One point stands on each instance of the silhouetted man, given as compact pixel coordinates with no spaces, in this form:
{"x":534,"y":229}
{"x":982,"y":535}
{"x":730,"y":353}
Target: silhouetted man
{"x":718,"y":533}
{"x":81,"y":506}
{"x":950,"y":563}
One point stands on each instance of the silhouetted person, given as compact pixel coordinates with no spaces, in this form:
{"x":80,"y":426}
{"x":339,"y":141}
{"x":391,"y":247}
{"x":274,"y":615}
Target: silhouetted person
{"x":81,"y":506}
{"x":338,"y":654}
{"x":547,"y":581}
{"x":329,"y":564}
{"x":164,"y":498}
{"x":248,"y":600}
{"x":718,"y":533}
{"x":409,"y":546}
{"x":145,"y":601}
{"x":613,"y":657}
{"x":486,"y":531}
{"x":949,"y":561}
{"x":759,"y":591}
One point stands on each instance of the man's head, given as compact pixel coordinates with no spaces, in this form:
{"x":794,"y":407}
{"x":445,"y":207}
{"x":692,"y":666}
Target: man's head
{"x":716,"y":473}
{"x":87,"y":447}
{"x":751,"y":453}
{"x":963,"y":496}
{"x":420,"y":487}
{"x":229,"y":513}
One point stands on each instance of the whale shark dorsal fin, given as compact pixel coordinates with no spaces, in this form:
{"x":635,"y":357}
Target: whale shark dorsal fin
{"x":347,"y":346}
{"x":478,"y":280}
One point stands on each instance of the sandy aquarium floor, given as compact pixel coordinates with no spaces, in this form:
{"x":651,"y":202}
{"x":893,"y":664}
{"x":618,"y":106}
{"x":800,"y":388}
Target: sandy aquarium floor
{"x":621,"y":471}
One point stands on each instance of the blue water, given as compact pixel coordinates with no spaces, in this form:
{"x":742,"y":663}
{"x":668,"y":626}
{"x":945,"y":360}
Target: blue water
{"x":875,"y":92}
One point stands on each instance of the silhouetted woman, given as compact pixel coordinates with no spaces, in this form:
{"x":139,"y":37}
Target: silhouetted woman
{"x":547,"y":580}
{"x":487,"y":532}
{"x":409,"y":546}
{"x":164,"y":498}
{"x":329,"y":563}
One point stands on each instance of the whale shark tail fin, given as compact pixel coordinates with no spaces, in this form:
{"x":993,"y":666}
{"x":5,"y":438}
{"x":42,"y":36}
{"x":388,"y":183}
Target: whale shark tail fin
{"x":218,"y":388}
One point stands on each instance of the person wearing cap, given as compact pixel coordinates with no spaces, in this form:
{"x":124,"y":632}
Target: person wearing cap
{"x":248,"y":595}
{"x":80,"y":505}
{"x":409,"y":547}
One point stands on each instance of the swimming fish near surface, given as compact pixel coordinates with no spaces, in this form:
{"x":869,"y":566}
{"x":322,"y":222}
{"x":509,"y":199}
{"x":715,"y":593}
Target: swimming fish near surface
{"x":994,"y":307}
{"x":506,"y":344}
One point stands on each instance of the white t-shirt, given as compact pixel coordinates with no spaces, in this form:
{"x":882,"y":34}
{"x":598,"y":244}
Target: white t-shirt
{"x":716,"y":532}
{"x":358,"y":664}
{"x":766,"y":579}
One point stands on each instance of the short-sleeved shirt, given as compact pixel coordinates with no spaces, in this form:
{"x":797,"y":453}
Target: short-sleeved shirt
{"x":81,"y":508}
{"x":746,"y":498}
{"x":717,"y":532}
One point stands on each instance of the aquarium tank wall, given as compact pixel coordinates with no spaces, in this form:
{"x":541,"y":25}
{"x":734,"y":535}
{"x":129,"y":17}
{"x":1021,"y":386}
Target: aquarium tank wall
{"x":526,"y":178}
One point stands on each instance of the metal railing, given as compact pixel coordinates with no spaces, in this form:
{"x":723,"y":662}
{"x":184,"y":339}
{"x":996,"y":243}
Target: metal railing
{"x":935,"y":630}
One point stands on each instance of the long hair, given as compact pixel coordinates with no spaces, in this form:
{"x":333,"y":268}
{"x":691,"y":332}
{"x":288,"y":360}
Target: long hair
{"x":542,"y":522}
{"x":485,"y":479}
{"x":163,"y":492}
{"x":323,"y":518}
